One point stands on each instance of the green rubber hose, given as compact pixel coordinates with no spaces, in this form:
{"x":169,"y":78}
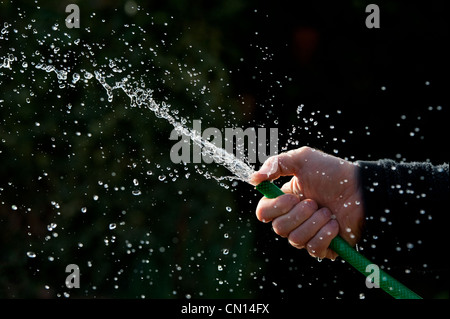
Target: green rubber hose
{"x":350,"y":255}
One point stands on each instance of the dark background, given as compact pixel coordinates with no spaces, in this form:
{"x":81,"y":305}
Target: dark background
{"x":375,"y":93}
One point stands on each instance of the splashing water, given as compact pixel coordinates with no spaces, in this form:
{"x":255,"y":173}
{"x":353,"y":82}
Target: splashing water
{"x":143,"y":98}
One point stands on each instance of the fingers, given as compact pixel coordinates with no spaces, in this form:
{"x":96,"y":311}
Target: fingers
{"x":307,"y":227}
{"x":300,"y":213}
{"x":301,"y":235}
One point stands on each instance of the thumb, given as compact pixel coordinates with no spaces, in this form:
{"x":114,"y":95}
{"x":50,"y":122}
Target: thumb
{"x":284,"y":164}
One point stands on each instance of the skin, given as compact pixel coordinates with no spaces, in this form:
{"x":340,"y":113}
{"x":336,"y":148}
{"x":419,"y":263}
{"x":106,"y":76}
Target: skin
{"x":323,"y":199}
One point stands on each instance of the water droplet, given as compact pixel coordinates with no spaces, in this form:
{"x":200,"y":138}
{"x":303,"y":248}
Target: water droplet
{"x":31,"y":254}
{"x":83,"y":210}
{"x":112,"y":226}
{"x":136,"y":192}
{"x":75,"y":78}
{"x":135,"y":182}
{"x":228,"y":208}
{"x":162,"y":177}
{"x":13,"y":207}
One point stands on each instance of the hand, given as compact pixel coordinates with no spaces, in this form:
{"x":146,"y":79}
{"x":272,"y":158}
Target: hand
{"x":322,"y":199}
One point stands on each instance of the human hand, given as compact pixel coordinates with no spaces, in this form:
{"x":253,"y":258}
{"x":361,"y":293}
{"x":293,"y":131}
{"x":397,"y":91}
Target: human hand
{"x":322,"y":199}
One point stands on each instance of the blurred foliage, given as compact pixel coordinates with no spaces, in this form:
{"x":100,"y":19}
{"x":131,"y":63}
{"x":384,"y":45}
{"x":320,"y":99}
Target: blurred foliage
{"x":65,"y":148}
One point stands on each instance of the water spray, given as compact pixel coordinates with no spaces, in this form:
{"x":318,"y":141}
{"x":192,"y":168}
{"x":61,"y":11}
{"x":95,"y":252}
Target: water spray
{"x":389,"y":284}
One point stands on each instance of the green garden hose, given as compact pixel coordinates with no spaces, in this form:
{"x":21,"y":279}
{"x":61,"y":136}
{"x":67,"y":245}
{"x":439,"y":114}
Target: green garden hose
{"x":350,"y":255}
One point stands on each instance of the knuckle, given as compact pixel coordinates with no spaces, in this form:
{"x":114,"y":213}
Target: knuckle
{"x":305,"y":150}
{"x":310,"y":204}
{"x":291,"y":199}
{"x":326,"y":212}
{"x":323,"y":214}
{"x":305,"y":209}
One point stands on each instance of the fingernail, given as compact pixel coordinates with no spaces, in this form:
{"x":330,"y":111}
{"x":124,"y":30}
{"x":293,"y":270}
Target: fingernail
{"x":253,"y":179}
